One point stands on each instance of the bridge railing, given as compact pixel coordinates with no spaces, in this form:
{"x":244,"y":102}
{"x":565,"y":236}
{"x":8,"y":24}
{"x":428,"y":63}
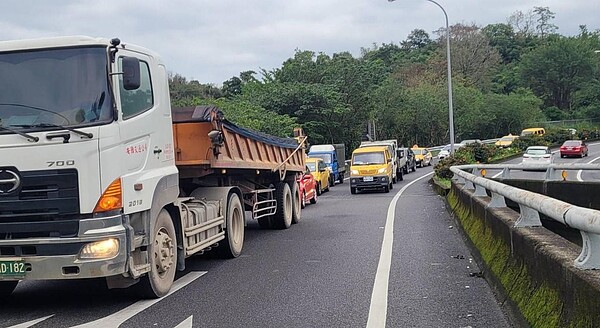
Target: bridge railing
{"x":531,"y":204}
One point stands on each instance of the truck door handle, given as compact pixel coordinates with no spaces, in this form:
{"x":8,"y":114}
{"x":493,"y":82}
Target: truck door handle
{"x":157,"y":150}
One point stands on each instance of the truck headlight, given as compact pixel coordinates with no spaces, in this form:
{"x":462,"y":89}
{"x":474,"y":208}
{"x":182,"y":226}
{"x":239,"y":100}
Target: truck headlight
{"x":102,"y":249}
{"x":381,"y":170}
{"x":354,"y":172}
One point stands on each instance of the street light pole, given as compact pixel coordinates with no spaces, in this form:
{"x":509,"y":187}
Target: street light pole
{"x":450,"y":109}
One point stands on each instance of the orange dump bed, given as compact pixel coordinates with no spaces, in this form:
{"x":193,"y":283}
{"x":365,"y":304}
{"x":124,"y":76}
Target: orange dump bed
{"x":231,"y":147}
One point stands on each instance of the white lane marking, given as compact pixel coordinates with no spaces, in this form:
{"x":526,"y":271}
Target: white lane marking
{"x":379,"y":296}
{"x":116,"y":319}
{"x":580,"y":172}
{"x":187,"y":323}
{"x":31,"y":323}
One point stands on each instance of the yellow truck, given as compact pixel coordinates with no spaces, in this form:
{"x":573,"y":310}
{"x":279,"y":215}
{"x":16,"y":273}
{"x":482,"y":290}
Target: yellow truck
{"x":371,"y":168}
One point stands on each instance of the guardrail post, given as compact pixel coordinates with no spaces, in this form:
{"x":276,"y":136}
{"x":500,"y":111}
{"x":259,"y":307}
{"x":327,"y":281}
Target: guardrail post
{"x":469,"y":185}
{"x":551,"y":174}
{"x":528,"y":218}
{"x":506,"y":173}
{"x":480,"y":191}
{"x":497,"y":200}
{"x":590,"y":251}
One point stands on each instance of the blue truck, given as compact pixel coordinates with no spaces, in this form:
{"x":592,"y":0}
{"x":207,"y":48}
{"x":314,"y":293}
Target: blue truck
{"x":334,"y":155}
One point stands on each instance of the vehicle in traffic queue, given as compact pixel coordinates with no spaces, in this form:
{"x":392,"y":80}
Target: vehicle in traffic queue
{"x":371,"y":168}
{"x":538,"y":155}
{"x":321,"y":174}
{"x":575,"y":148}
{"x":506,"y":141}
{"x":411,"y":162}
{"x":422,"y":156}
{"x":308,"y":188}
{"x":392,"y":145}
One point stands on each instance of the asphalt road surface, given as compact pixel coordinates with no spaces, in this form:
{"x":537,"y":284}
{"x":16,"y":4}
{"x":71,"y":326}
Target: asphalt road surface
{"x":353,"y":261}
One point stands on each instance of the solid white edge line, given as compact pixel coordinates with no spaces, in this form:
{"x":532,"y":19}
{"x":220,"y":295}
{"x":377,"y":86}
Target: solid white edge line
{"x":580,"y":172}
{"x":31,"y":323}
{"x":116,"y":319}
{"x":379,"y":296}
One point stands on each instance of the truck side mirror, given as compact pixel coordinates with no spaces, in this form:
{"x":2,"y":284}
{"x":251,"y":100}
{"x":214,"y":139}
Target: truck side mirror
{"x":131,"y":73}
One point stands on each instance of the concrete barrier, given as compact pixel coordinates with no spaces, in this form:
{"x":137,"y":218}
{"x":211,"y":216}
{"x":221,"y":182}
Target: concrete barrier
{"x":531,"y":267}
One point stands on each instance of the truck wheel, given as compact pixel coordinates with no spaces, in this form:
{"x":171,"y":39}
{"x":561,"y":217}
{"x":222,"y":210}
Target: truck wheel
{"x":297,"y":206}
{"x":353,"y":190}
{"x":319,"y":191}
{"x":341,"y":177}
{"x":163,"y":258}
{"x":386,"y":188}
{"x":314,"y":199}
{"x":7,"y":287}
{"x":233,"y":243}
{"x":400,"y":176}
{"x":395,"y":179}
{"x":285,"y":208}
{"x":266,"y":222}
{"x":328,"y":185}
{"x":391,"y":186}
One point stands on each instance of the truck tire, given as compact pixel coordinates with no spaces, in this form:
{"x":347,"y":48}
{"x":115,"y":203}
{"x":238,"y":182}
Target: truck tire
{"x":353,"y":190}
{"x":386,"y":189}
{"x":400,"y":176}
{"x":318,"y":189}
{"x":341,"y":177}
{"x":296,"y":203}
{"x":7,"y":287}
{"x":328,"y":185}
{"x":395,"y":179}
{"x":162,"y":253}
{"x":285,"y":207}
{"x":233,"y":243}
{"x":266,"y":222}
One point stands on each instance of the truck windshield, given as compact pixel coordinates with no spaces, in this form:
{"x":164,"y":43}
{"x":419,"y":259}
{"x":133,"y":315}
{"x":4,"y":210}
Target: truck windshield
{"x":325,"y":157}
{"x":66,"y":86}
{"x":368,"y":158}
{"x":312,"y":166}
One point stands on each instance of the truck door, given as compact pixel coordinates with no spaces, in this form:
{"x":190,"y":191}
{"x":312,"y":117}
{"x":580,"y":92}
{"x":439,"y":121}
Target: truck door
{"x":145,"y":151}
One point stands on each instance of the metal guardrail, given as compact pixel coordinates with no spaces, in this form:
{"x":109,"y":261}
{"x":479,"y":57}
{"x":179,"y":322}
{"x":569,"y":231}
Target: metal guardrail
{"x":531,"y":204}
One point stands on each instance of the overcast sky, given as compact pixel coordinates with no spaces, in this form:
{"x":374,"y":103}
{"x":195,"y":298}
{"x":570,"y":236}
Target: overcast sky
{"x":213,"y":40}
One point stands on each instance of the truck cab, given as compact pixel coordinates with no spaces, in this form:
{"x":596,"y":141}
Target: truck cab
{"x":371,"y":168}
{"x":334,"y":157}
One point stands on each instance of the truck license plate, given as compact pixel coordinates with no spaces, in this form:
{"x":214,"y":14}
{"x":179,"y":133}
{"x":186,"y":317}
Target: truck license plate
{"x":12,"y":268}
{"x":368,"y":179}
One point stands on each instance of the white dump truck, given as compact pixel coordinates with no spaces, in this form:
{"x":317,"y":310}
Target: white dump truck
{"x":100,"y":177}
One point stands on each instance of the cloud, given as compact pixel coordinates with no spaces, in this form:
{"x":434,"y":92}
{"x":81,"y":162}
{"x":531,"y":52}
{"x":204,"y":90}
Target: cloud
{"x":212,"y":41}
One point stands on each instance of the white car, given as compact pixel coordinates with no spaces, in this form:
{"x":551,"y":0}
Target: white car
{"x":538,"y":155}
{"x":445,"y":152}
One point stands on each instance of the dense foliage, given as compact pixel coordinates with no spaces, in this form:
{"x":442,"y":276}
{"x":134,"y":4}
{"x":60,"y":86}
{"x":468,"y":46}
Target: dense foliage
{"x":506,"y":77}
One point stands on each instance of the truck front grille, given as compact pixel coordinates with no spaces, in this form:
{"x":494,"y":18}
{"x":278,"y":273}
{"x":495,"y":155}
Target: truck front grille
{"x":46,"y":205}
